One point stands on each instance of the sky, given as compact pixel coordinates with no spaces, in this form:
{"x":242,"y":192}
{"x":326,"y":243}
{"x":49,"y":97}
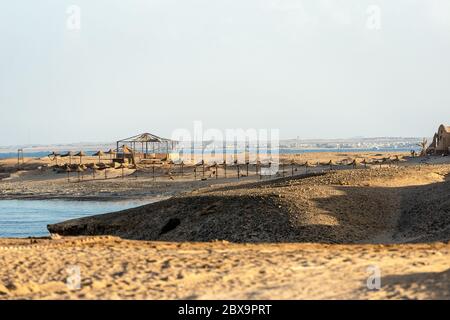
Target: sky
{"x":100,"y":70}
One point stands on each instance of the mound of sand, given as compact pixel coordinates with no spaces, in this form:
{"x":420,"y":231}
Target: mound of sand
{"x":398,"y":204}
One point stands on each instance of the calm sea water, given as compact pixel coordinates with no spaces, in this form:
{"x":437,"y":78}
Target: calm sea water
{"x":24,"y":218}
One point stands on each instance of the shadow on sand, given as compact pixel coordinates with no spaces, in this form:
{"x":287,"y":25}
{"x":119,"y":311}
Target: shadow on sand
{"x":275,"y":211}
{"x":427,"y":285}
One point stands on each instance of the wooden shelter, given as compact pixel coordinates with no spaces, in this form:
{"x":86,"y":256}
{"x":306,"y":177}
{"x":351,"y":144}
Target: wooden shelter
{"x":145,"y":146}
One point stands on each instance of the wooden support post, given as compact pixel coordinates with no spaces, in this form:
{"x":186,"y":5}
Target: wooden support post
{"x":20,"y":158}
{"x":225,"y":168}
{"x":224,"y":151}
{"x":203,"y":168}
{"x":167,"y":150}
{"x":146,"y":149}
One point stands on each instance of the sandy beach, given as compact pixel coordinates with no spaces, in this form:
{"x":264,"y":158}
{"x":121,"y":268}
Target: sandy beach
{"x":37,"y":178}
{"x":112,"y":268}
{"x":310,"y":236}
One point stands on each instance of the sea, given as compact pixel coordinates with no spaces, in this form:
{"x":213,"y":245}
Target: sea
{"x":29,"y":218}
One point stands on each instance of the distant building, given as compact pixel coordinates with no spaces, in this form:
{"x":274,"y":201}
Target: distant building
{"x":441,"y":141}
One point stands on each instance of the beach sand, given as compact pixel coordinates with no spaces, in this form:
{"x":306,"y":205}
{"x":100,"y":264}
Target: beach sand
{"x":112,"y":268}
{"x":387,"y":205}
{"x":313,"y":236}
{"x":38,"y":180}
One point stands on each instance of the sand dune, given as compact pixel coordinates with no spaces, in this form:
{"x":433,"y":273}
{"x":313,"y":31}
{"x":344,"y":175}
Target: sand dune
{"x":388,"y":205}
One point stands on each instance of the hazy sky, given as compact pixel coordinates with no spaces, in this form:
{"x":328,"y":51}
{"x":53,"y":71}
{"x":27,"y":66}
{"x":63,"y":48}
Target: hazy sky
{"x":312,"y":68}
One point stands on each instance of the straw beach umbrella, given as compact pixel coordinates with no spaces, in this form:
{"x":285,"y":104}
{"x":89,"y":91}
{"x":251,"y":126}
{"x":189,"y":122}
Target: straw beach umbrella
{"x":94,"y":168}
{"x":386,"y":160}
{"x":329,"y":163}
{"x":376,"y":161}
{"x":54,"y":156}
{"x":306,"y":165}
{"x":202,"y":164}
{"x":68,"y":170}
{"x":111,"y":152}
{"x":238,"y":169}
{"x":80,"y":172}
{"x":68,"y":154}
{"x":396,"y":159}
{"x":224,"y":163}
{"x":122,"y":166}
{"x":80,"y":154}
{"x":292,"y":167}
{"x":247,"y":163}
{"x":216,"y":169}
{"x":104,"y":167}
{"x":84,"y":168}
{"x":99,"y":154}
{"x":364,"y":162}
{"x":353,"y":163}
{"x":181,"y":167}
{"x":203,"y":168}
